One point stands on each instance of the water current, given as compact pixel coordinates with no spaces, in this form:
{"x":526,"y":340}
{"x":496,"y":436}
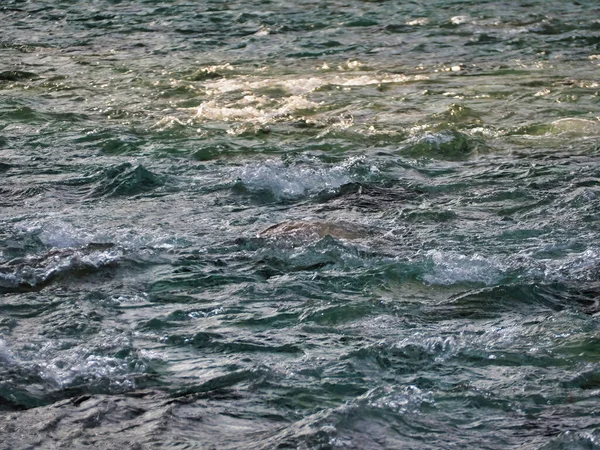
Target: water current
{"x":314,"y":224}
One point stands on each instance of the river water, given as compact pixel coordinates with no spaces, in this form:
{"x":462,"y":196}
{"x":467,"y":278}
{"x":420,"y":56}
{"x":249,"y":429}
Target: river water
{"x":319,"y":225}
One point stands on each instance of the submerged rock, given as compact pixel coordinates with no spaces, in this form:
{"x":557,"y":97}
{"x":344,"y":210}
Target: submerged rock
{"x":309,"y":229}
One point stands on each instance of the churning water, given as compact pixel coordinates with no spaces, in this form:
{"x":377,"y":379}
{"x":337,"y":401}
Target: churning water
{"x":320,"y":225}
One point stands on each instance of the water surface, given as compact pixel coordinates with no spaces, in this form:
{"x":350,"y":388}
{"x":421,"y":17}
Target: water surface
{"x":434,"y":282}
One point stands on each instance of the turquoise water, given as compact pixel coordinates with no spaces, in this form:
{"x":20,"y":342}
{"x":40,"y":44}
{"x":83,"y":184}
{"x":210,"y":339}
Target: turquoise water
{"x":313,"y":225}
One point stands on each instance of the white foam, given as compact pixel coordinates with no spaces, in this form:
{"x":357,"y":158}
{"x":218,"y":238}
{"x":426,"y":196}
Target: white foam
{"x":296,"y":86}
{"x":459,"y":20}
{"x":306,"y":85}
{"x":418,"y":22}
{"x":260,"y":112}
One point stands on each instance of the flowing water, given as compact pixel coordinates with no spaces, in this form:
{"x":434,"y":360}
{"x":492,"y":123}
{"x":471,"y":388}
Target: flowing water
{"x":320,"y":225}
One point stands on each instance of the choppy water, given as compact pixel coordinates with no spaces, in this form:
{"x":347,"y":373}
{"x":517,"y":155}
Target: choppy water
{"x":434,"y":282}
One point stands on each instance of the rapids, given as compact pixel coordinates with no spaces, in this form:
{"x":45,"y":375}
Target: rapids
{"x":318,"y":225}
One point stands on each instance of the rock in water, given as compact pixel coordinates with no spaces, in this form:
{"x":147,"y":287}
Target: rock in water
{"x":309,"y":229}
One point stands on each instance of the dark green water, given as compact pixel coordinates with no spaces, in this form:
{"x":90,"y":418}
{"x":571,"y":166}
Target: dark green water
{"x":435,"y":282}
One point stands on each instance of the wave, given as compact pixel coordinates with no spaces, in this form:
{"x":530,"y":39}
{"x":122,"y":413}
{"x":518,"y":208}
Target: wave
{"x":58,"y":371}
{"x":35,"y":272}
{"x":123,"y":180}
{"x":283,"y":181}
{"x":445,"y":145}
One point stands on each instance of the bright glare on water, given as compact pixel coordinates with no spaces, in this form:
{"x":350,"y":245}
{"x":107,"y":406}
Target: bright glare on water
{"x":262,"y":224}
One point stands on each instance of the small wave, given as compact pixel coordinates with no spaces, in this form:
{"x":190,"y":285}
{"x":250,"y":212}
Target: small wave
{"x":448,"y":268}
{"x":295,"y":181}
{"x":326,"y":259}
{"x":568,"y":127}
{"x":63,"y":235}
{"x":574,"y":440}
{"x":5,"y":354}
{"x":55,"y":372}
{"x":210,"y":72}
{"x":17,"y":195}
{"x":453,"y":268}
{"x":35,"y":272}
{"x":445,"y":145}
{"x":405,"y":400}
{"x":17,"y":75}
{"x":46,"y":250}
{"x":57,"y":234}
{"x":364,"y":197}
{"x":39,"y":236}
{"x":346,"y":426}
{"x":79,"y":368}
{"x":583,"y":266}
{"x":576,"y":126}
{"x":117,"y":181}
{"x":124,"y":180}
